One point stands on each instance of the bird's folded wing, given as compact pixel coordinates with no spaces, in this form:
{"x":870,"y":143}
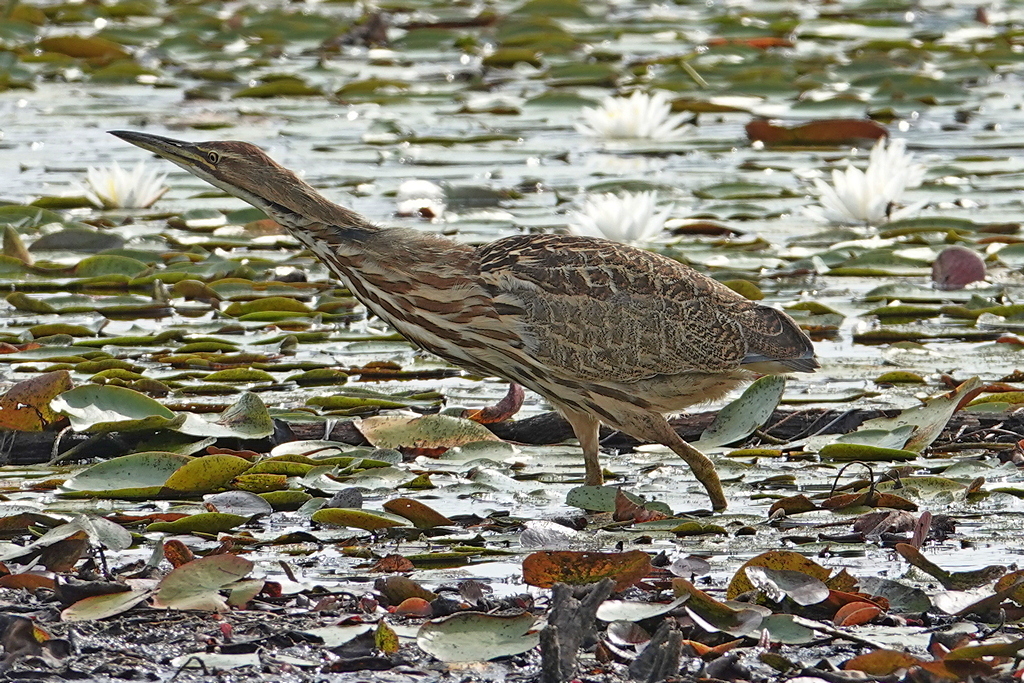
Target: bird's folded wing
{"x":598,"y":310}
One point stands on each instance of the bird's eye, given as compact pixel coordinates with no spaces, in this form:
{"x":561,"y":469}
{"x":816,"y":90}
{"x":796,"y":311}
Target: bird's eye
{"x":213,"y":157}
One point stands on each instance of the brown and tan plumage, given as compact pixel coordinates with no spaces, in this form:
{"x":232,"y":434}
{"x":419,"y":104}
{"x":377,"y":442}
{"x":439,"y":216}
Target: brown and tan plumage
{"x":605,"y":332}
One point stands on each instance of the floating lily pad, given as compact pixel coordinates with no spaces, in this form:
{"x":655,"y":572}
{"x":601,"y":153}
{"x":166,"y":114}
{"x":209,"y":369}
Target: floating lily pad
{"x":94,"y":408}
{"x":427,"y":431}
{"x":139,"y":475}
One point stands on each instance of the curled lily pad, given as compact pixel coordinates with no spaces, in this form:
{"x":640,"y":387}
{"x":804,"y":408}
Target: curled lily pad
{"x":26,"y":405}
{"x":247,"y":418}
{"x":929,"y":419}
{"x":106,"y":408}
{"x":740,"y":418}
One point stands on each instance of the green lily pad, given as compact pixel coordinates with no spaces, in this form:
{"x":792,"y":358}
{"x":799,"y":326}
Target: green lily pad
{"x":739,"y":419}
{"x":139,"y":475}
{"x":210,"y":523}
{"x":108,"y":264}
{"x":847,"y":452}
{"x":197,"y":584}
{"x":247,"y":418}
{"x":358,"y":519}
{"x":106,"y":408}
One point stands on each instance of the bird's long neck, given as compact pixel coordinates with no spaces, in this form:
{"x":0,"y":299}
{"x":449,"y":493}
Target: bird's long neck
{"x":417,"y":282}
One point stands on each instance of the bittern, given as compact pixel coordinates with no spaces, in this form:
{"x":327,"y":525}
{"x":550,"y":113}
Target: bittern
{"x":605,"y":332}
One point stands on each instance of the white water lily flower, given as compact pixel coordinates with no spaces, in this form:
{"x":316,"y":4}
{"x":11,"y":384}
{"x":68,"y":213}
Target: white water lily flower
{"x":639,"y":116}
{"x":631,"y":218}
{"x":420,"y":198}
{"x":113,"y":187}
{"x":857,"y":196}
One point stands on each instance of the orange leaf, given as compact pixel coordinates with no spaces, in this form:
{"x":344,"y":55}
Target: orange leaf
{"x":177,"y":553}
{"x":883,"y":662}
{"x":855,"y":614}
{"x":392,"y":563}
{"x":546,"y":568}
{"x":760,"y":42}
{"x":414,"y":607}
{"x":26,"y":580}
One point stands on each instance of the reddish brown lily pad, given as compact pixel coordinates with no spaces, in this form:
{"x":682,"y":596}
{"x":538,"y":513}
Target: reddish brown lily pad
{"x":546,"y":568}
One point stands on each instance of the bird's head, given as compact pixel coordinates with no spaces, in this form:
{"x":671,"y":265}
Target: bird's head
{"x":243,"y":170}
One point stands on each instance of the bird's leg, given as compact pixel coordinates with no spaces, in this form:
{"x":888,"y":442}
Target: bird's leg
{"x":654,"y":427}
{"x":702,"y":468}
{"x":587,"y":428}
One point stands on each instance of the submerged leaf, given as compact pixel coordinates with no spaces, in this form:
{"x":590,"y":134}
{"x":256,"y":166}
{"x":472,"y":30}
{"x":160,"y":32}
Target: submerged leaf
{"x":476,"y":637}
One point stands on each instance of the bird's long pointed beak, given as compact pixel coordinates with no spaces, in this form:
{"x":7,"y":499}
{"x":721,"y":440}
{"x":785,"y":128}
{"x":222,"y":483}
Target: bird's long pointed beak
{"x":168,"y":148}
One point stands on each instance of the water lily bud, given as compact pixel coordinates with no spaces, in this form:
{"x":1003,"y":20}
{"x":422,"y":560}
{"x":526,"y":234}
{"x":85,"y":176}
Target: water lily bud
{"x":956,"y":267}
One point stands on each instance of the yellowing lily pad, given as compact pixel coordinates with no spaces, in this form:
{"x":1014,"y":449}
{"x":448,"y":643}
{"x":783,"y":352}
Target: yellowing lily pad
{"x":247,"y":418}
{"x":774,"y":559}
{"x":207,"y":473}
{"x":26,"y":405}
{"x":357,"y":519}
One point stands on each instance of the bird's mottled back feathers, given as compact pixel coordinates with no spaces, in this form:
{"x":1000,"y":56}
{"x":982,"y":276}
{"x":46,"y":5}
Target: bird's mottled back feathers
{"x":597,"y":310}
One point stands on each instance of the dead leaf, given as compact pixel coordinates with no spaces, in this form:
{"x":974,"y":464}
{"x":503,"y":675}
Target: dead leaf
{"x":830,"y":132}
{"x":546,"y":568}
{"x":26,"y":405}
{"x":774,"y":559}
{"x":628,"y":511}
{"x":855,"y":614}
{"x":421,"y":515}
{"x":508,"y":406}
